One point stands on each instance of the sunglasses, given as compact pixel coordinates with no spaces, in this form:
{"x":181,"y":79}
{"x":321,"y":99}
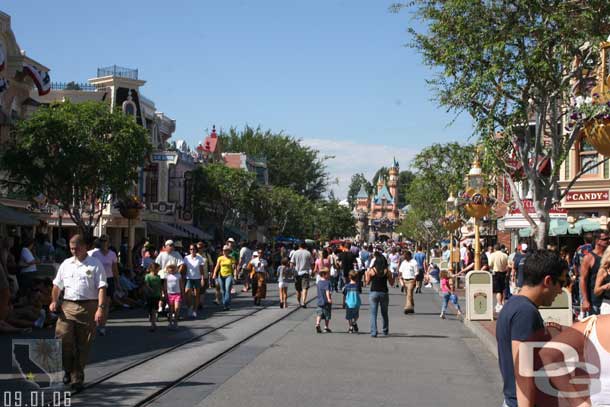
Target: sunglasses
{"x":605,"y":239}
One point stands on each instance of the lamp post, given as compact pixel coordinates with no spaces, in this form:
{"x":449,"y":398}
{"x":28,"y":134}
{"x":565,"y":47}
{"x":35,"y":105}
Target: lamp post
{"x":477,"y":203}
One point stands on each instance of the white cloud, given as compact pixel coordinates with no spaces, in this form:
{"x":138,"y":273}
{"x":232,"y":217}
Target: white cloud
{"x":351,"y":158}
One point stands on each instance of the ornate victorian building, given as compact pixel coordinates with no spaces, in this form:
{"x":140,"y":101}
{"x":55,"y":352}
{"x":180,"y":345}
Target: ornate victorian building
{"x":377,"y":216}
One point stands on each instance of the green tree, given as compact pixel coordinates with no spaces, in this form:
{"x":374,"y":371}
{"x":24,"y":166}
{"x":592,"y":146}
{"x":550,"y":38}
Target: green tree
{"x":78,"y":156}
{"x":384,"y":173}
{"x":404,"y":181}
{"x":358,"y":180}
{"x":333,"y":221}
{"x":510,"y":64}
{"x":221,"y":194}
{"x":438,"y":170}
{"x":282,"y":211}
{"x":290,"y":163}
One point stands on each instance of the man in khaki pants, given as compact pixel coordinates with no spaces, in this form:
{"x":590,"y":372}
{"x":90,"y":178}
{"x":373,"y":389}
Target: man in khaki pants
{"x":83,"y":281}
{"x":408,"y":271}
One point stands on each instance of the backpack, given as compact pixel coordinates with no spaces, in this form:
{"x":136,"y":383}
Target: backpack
{"x":352,"y":299}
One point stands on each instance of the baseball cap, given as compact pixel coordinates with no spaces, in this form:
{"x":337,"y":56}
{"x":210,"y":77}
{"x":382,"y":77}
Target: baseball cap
{"x":169,"y":242}
{"x":255,"y":254}
{"x":231,"y":240}
{"x":524,"y":246}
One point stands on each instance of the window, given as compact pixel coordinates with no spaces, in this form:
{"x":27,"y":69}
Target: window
{"x":587,"y":157}
{"x":151,"y":191}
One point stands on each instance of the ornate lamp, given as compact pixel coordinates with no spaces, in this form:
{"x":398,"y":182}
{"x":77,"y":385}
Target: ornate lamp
{"x":451,"y":222}
{"x":477,"y":203}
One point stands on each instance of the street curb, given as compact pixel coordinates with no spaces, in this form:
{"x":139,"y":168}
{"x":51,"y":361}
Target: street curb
{"x":486,"y":338}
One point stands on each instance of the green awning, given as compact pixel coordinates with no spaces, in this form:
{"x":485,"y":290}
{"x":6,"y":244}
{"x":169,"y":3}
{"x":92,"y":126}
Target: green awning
{"x":558,"y":227}
{"x":9,"y":216}
{"x":589,"y":225}
{"x":525,"y":232}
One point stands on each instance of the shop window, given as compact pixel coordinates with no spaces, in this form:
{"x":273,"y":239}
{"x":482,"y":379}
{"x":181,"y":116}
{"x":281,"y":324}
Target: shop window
{"x":587,"y":156}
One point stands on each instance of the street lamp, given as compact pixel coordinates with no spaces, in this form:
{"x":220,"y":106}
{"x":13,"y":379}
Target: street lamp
{"x":477,"y":203}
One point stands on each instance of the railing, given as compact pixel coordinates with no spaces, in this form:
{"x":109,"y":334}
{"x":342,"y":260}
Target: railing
{"x":86,"y":87}
{"x":119,"y":71}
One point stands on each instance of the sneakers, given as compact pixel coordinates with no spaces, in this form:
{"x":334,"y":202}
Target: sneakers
{"x":351,"y":329}
{"x":327,"y":330}
{"x":318,"y":329}
{"x":355,"y":326}
{"x":194,"y":314}
{"x":428,"y":285}
{"x":442,"y":315}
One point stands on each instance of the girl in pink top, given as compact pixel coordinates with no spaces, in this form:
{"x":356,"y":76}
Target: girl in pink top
{"x":448,"y":294}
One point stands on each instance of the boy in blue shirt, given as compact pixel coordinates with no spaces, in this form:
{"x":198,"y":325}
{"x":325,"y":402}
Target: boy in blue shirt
{"x":324,"y":302}
{"x":352,"y":301}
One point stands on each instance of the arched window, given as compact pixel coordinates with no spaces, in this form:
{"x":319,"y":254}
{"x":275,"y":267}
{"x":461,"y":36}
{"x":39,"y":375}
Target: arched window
{"x":129,"y":107}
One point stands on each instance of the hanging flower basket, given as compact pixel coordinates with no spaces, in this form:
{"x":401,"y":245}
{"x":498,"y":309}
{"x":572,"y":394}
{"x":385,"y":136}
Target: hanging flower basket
{"x":129,"y":207}
{"x":477,"y":205}
{"x":597,"y":133}
{"x":450,"y":221}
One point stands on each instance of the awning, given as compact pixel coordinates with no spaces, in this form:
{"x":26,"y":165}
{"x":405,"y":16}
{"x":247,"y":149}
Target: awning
{"x":194,"y":231}
{"x":9,"y":216}
{"x":165,"y":229}
{"x":525,"y":232}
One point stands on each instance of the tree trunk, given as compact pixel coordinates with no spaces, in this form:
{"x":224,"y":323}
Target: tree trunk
{"x":543,"y":230}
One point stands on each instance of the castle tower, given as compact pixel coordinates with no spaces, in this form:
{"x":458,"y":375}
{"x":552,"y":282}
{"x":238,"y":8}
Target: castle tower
{"x":393,"y":183}
{"x":362,"y":199}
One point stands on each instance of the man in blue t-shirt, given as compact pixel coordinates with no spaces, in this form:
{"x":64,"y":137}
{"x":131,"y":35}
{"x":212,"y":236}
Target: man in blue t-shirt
{"x":544,"y":275}
{"x":422,"y":268}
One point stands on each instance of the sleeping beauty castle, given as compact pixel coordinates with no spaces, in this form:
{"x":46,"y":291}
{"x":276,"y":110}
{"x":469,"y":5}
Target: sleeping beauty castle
{"x":378,"y":215}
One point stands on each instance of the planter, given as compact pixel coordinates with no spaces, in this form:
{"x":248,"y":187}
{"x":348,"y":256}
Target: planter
{"x":130,"y":213}
{"x":597,"y":132}
{"x":477,"y":211}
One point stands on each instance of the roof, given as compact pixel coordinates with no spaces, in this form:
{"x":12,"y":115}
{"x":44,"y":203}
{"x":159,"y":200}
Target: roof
{"x":384,"y":193}
{"x":362,"y":193}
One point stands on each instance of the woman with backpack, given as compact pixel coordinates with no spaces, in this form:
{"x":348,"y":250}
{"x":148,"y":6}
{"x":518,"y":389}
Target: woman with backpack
{"x":378,"y":276}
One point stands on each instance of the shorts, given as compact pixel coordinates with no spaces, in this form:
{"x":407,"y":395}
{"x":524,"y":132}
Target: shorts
{"x":324,"y":312}
{"x":352,"y":313}
{"x":152,"y":303}
{"x":110,"y":287}
{"x":499,"y":282}
{"x":172,"y":299}
{"x":301,"y":282}
{"x":420,"y":275}
{"x":282,"y":284}
{"x":193,"y":283}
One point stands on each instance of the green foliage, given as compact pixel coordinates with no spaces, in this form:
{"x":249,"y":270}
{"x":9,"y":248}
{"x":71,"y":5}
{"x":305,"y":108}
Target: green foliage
{"x":220,"y":192}
{"x":405,"y":178}
{"x":383,"y":172}
{"x":438,"y":169}
{"x":509,"y":63}
{"x":333,"y":221}
{"x":291,"y":164}
{"x":77,"y":155}
{"x":358,"y":180}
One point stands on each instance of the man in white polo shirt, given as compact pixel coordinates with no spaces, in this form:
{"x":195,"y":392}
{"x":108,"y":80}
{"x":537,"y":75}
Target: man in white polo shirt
{"x":83,"y":280}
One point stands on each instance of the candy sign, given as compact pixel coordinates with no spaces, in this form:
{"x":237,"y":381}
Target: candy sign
{"x":586,"y":196}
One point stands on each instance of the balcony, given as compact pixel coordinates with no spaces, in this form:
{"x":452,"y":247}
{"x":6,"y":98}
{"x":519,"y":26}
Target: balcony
{"x":117,"y":71}
{"x":85,"y":87}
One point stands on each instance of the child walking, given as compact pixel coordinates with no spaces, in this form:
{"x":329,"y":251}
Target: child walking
{"x":324,"y":302}
{"x":282,"y":275}
{"x":448,"y":294}
{"x":154,"y":285}
{"x":352,"y":302}
{"x":174,"y":291}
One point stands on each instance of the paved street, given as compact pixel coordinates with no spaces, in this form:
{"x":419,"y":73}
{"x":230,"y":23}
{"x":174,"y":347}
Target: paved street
{"x":424,"y":362}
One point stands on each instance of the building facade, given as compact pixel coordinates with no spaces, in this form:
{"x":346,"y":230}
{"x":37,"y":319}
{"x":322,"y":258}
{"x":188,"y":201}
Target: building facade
{"x":378,"y":215}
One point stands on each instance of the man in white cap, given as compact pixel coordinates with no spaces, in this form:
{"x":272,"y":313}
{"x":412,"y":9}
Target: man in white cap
{"x":166,"y":257}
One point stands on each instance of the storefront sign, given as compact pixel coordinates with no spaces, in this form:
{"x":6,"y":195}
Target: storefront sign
{"x":164,"y":157}
{"x":586,"y":196}
{"x":528,"y":205}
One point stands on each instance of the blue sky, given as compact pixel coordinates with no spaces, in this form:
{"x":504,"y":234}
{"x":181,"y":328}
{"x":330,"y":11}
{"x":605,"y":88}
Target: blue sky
{"x":333,"y":73}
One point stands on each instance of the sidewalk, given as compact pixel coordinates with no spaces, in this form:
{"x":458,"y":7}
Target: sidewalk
{"x":426,"y":361}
